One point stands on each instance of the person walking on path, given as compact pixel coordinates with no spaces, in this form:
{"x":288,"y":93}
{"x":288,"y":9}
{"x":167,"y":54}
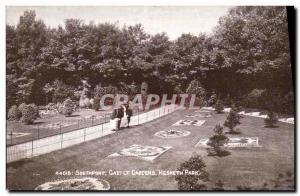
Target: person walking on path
{"x":128,"y":111}
{"x":117,"y":116}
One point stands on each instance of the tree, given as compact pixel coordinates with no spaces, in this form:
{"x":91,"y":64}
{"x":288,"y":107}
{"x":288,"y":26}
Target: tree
{"x":219,"y":107}
{"x":14,"y":113}
{"x":28,"y":114}
{"x":232,"y":120}
{"x":217,"y":142}
{"x":271,"y":119}
{"x":68,"y":107}
{"x":189,"y":182}
{"x":61,"y":91}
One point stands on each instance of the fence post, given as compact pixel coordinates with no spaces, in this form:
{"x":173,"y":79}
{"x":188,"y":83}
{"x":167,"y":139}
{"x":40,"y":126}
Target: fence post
{"x":61,"y":136}
{"x":92,"y":120}
{"x":78,"y":124}
{"x":104,"y":118}
{"x":38,"y":131}
{"x":32,"y":147}
{"x":11,"y":136}
{"x":102,"y":129}
{"x":138,"y":116}
{"x":84,"y":133}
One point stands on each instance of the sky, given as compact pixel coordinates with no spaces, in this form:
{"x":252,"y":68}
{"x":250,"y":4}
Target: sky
{"x":156,"y":19}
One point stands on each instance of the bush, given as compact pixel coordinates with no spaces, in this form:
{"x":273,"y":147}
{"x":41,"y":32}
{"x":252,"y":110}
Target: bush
{"x":96,"y":105}
{"x":271,"y":119}
{"x":36,"y":110}
{"x":217,"y":142}
{"x":61,"y":91}
{"x":28,"y":114}
{"x":68,"y":107}
{"x":219,"y":107}
{"x":192,"y":182}
{"x":254,"y":98}
{"x":213,"y":99}
{"x":232,"y":120}
{"x":196,"y":88}
{"x":21,"y":107}
{"x":14,"y":113}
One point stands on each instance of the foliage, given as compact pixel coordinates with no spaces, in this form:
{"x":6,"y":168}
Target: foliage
{"x":96,"y":105}
{"x":232,"y":120}
{"x":248,"y":50}
{"x":14,"y":113}
{"x":21,"y":107}
{"x":196,"y":88}
{"x":144,"y":88}
{"x":271,"y":119}
{"x":217,"y":142}
{"x":212,"y":99}
{"x":61,"y":92}
{"x":28,"y":114}
{"x":36,"y":110}
{"x":192,"y":182}
{"x":68,"y":107}
{"x":219,"y":107}
{"x":254,"y":98}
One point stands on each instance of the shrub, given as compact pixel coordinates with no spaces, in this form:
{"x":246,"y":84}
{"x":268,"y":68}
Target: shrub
{"x":96,"y":105}
{"x":36,"y":110}
{"x":232,"y":120}
{"x":61,"y":91}
{"x":144,"y":88}
{"x":271,"y":119}
{"x":219,"y":107}
{"x":196,"y":88}
{"x":60,"y":107}
{"x":28,"y":114}
{"x":217,"y":142}
{"x":68,"y":107}
{"x":192,"y":182}
{"x":21,"y":107}
{"x":213,"y":99}
{"x":14,"y":113}
{"x":254,"y":97}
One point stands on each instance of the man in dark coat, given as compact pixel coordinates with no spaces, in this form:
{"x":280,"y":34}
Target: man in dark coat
{"x":128,"y":114}
{"x":119,"y":114}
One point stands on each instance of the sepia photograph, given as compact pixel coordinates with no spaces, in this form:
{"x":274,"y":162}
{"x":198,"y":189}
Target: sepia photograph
{"x":150,"y":98}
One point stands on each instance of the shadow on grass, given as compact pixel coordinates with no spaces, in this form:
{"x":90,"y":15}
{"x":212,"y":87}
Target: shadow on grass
{"x":74,"y":115}
{"x":222,"y":153}
{"x":37,"y":123}
{"x":271,"y":126}
{"x":233,"y":132}
{"x":19,"y":163}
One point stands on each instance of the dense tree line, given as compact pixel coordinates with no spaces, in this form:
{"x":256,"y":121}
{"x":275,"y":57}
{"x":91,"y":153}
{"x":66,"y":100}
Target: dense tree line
{"x":246,"y":55}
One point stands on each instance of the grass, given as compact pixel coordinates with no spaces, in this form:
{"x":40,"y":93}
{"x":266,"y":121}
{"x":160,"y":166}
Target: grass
{"x":243,"y":167}
{"x":79,"y":119}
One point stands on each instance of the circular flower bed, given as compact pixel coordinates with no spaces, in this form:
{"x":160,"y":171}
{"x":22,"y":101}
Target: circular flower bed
{"x":172,"y":133}
{"x":75,"y":184}
{"x":142,"y":151}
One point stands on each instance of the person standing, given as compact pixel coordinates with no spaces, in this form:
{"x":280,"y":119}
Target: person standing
{"x":116,"y":117}
{"x":128,"y":114}
{"x":119,"y":115}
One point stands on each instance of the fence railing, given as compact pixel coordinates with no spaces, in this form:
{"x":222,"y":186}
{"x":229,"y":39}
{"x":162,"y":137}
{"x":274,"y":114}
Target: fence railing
{"x":44,"y":145}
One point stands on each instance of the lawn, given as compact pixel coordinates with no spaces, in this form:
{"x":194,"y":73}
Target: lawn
{"x":244,"y":167}
{"x":54,"y":124}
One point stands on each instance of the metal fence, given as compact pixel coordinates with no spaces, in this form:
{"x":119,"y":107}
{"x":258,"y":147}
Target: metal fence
{"x":59,"y":141}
